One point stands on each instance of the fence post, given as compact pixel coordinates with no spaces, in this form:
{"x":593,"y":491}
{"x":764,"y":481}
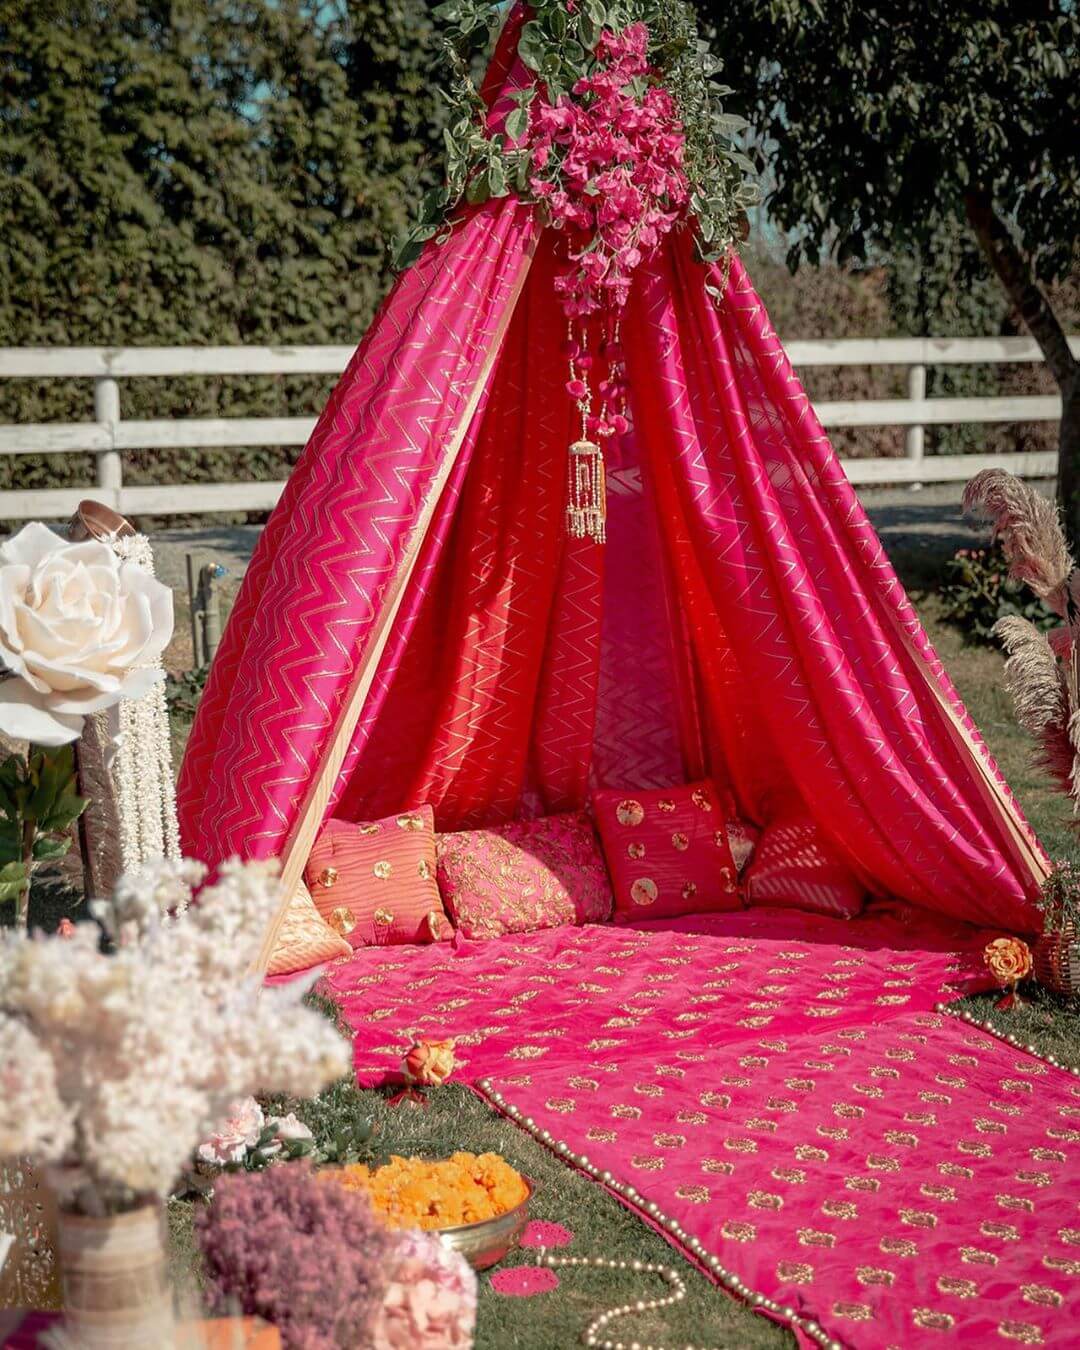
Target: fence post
{"x":915,"y":436}
{"x":110,"y":467}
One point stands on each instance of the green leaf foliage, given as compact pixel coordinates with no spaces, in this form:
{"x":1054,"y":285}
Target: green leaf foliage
{"x":976,"y":592}
{"x":12,"y":881}
{"x":878,"y":118}
{"x":559,"y":45}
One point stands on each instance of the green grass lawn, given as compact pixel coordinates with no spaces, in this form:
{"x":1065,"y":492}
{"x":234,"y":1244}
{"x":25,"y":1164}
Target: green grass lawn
{"x":456,"y":1120}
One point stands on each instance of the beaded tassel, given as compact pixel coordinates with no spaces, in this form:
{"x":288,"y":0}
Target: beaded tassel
{"x":586,"y":505}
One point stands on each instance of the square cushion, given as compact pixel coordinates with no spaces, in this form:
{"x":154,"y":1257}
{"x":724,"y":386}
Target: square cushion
{"x":525,"y":875}
{"x":667,"y":851}
{"x":305,"y":938}
{"x":374,"y":881}
{"x":795,"y":865}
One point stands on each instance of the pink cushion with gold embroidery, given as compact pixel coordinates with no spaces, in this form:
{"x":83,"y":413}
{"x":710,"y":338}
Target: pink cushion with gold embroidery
{"x":667,"y":851}
{"x":522,"y":876}
{"x":374,"y":881}
{"x":794,"y":865}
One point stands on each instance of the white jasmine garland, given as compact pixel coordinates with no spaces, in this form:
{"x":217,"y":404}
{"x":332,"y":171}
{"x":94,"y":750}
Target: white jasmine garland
{"x":142,"y":763}
{"x":119,"y":1065}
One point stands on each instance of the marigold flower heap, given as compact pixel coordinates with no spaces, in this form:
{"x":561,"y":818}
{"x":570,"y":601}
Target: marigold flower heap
{"x":416,"y":1193}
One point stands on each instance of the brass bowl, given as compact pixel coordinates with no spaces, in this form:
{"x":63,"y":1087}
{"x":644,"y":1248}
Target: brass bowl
{"x":490,"y":1241}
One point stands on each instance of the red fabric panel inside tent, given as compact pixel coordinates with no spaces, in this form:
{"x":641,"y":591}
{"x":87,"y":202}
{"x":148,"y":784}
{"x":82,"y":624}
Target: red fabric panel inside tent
{"x":501,"y":664}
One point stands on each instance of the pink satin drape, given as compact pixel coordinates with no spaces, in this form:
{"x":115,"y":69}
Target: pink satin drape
{"x":776,"y":555}
{"x":335,"y":543}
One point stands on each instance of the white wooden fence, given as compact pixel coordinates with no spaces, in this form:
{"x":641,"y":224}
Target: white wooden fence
{"x":109,"y":435}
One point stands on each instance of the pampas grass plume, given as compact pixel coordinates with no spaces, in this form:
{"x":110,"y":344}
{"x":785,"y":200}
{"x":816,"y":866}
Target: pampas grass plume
{"x":1037,"y":684}
{"x":1029,"y":528}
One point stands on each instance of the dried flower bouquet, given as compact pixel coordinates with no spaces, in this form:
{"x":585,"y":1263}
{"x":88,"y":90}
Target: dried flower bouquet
{"x":1041,"y":672}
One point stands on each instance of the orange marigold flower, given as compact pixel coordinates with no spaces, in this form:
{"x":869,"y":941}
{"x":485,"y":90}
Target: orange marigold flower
{"x":1008,"y":959}
{"x":416,"y":1193}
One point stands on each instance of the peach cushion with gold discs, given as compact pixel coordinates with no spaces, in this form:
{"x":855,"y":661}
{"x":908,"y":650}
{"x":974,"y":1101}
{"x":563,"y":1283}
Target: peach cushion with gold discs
{"x":374,"y":881}
{"x":795,"y":865}
{"x":304,"y":938}
{"x":667,"y":851}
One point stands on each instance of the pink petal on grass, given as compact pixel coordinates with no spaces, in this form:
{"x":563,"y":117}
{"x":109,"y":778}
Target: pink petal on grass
{"x":524,"y":1281}
{"x":540,"y":1233}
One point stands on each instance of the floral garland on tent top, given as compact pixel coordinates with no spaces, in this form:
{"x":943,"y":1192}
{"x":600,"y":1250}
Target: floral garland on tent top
{"x":620,"y":139}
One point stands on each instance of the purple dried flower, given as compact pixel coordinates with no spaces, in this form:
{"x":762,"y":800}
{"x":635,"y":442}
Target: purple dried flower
{"x":308,"y":1256}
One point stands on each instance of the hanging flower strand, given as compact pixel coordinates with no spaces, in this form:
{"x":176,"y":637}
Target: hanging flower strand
{"x":607,"y":164}
{"x":620,"y":137}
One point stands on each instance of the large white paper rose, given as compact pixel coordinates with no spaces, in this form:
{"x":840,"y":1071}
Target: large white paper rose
{"x":78,"y":628}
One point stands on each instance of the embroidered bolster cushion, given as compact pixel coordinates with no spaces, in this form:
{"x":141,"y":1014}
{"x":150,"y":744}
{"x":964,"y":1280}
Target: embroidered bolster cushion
{"x":525,"y":875}
{"x":795,"y":865}
{"x":374,"y":881}
{"x":667,"y":851}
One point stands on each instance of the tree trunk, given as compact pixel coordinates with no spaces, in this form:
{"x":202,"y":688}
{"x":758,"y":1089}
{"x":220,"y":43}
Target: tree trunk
{"x":1015,"y":273}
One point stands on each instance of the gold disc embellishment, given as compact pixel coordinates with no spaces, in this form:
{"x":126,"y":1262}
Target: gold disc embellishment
{"x":342,"y":920}
{"x":644,"y":891}
{"x":410,"y":822}
{"x":689,"y":890}
{"x":635,"y":851}
{"x":680,"y":841}
{"x":423,"y":869}
{"x":369,"y":828}
{"x":383,"y":918}
{"x":701,"y":800}
{"x":383,"y":870}
{"x":328,"y":877}
{"x":629,"y":812}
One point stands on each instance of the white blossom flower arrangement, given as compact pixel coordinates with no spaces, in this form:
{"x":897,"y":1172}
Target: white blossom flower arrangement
{"x":115,"y":1066}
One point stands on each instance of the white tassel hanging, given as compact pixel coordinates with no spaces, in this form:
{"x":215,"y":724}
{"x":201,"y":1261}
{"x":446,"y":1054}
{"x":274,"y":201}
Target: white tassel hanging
{"x":586,"y":507}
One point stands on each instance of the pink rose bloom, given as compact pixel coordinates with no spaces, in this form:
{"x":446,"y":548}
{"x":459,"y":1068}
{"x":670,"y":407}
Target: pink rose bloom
{"x":430,"y":1302}
{"x":237,"y":1133}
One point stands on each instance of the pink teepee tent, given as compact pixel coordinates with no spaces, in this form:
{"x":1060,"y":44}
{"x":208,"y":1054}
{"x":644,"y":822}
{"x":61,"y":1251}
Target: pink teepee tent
{"x":418,"y":626}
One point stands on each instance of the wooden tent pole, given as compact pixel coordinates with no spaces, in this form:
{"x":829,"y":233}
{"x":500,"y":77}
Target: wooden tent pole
{"x":298,"y":846}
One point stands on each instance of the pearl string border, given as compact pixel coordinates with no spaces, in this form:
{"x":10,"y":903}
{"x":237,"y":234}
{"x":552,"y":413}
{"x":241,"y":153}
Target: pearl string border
{"x":963,"y":1015}
{"x":710,"y":1264}
{"x":592,"y":1333}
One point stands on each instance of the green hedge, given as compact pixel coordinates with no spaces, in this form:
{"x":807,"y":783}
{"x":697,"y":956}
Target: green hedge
{"x":199,"y":172}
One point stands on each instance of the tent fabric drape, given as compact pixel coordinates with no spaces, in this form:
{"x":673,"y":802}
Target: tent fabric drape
{"x":415,"y":607}
{"x":331,"y":549}
{"x":775,"y":544}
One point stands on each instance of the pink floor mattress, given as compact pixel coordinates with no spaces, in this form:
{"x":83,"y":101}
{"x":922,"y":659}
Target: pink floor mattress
{"x":785,"y":1097}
